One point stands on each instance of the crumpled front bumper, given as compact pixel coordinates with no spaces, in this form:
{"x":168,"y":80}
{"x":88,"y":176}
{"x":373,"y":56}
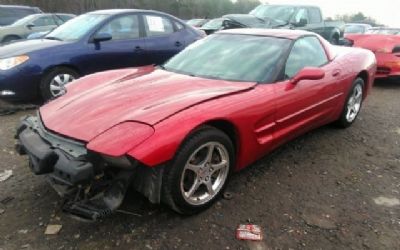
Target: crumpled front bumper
{"x":62,"y":159}
{"x":92,"y":185}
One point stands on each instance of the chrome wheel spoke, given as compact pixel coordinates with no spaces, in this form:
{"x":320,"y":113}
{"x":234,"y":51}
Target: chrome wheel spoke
{"x":210,"y":189}
{"x":55,"y":88}
{"x":192,"y":167}
{"x":194,"y":188}
{"x":209,"y":154}
{"x":67,"y":78}
{"x":219,"y":166}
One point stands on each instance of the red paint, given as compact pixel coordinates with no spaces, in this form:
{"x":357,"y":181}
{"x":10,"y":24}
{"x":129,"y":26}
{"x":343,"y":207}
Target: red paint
{"x":382,"y":45}
{"x":103,"y":108}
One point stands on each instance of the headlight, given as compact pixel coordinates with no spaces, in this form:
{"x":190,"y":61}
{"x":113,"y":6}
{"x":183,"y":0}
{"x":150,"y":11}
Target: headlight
{"x":9,"y":63}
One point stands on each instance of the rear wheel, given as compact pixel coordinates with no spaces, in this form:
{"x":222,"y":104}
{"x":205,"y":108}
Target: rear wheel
{"x":53,"y":83}
{"x":353,"y":104}
{"x":335,"y":40}
{"x":199,"y":172}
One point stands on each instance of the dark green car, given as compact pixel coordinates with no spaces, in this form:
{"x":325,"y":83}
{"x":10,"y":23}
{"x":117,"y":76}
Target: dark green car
{"x":302,"y":17}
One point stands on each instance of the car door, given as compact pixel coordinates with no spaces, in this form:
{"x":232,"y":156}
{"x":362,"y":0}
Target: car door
{"x":308,"y":103}
{"x":125,"y":49}
{"x":163,"y":39}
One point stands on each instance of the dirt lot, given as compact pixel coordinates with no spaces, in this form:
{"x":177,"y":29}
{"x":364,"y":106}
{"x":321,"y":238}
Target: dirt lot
{"x":329,"y":189}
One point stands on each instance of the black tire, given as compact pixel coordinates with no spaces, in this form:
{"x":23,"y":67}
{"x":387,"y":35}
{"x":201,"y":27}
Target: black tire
{"x":334,"y":40}
{"x":11,"y":38}
{"x":172,"y":194}
{"x":48,"y":77}
{"x":343,"y":122}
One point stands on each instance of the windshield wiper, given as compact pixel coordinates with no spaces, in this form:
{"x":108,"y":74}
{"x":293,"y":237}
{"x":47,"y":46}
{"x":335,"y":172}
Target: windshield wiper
{"x":53,"y":38}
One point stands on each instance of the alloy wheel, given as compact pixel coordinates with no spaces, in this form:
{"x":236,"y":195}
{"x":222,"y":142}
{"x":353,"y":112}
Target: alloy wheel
{"x":354,"y":103}
{"x":205,"y":173}
{"x":57,"y":84}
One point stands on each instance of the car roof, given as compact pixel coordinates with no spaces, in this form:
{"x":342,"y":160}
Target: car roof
{"x":17,"y":6}
{"x":292,"y":5}
{"x":360,"y":24}
{"x":122,"y":11}
{"x":281,"y":33}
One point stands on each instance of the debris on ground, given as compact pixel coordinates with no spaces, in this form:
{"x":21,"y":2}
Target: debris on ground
{"x":53,"y":229}
{"x":23,"y":231}
{"x":387,"y":202}
{"x":5,"y":175}
{"x":249,"y":232}
{"x":228,"y":196}
{"x":6,"y":200}
{"x":2,"y":211}
{"x":9,"y":110}
{"x":323,"y":222}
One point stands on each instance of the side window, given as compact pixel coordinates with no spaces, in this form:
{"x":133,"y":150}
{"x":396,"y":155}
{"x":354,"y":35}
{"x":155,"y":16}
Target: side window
{"x":306,"y":52}
{"x":301,"y":14}
{"x":157,"y":25}
{"x":22,"y":12}
{"x":122,"y":28}
{"x":44,"y":21}
{"x":179,"y":26}
{"x":315,"y":15}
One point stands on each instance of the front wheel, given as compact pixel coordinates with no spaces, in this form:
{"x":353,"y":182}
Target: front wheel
{"x":199,"y":172}
{"x":353,"y":104}
{"x":53,"y":83}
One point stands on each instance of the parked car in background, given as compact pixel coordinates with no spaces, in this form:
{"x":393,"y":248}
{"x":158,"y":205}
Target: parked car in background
{"x":356,"y":28}
{"x":197,"y":22}
{"x":233,"y":21}
{"x":96,"y":41}
{"x":22,"y":28}
{"x":383,"y":31}
{"x":385,"y":43}
{"x":302,"y":17}
{"x":261,"y":89}
{"x":11,"y":13}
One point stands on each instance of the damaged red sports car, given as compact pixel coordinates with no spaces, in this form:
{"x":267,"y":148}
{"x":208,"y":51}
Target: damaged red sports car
{"x":178,"y":131}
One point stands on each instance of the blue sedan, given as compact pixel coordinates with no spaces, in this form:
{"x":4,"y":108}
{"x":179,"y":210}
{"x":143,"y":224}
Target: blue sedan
{"x":93,"y":42}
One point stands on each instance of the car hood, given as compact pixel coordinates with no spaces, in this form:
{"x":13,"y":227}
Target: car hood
{"x":148,"y":98}
{"x":375,"y":42}
{"x":26,"y":47}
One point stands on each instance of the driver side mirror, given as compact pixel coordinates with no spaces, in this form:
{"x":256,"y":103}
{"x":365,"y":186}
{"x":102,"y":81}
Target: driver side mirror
{"x":308,"y":73}
{"x":30,"y":26}
{"x":102,"y":37}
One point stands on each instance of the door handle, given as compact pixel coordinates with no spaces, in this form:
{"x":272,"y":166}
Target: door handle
{"x":178,"y":44}
{"x":336,"y":73}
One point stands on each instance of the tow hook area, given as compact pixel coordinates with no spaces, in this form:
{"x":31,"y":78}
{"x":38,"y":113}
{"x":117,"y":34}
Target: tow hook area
{"x":95,"y":200}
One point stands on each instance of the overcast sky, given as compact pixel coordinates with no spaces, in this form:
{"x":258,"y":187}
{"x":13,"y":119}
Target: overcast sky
{"x":384,"y":11}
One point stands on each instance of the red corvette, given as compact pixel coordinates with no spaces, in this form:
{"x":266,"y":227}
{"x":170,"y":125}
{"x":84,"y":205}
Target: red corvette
{"x":178,"y":131}
{"x":385,"y":43}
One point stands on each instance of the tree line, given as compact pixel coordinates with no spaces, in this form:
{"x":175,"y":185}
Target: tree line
{"x":181,"y":8}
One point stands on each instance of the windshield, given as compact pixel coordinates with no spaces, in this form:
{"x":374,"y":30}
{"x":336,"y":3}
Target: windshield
{"x":213,"y":24}
{"x":76,"y":28}
{"x":354,"y":29}
{"x":232,"y":57}
{"x":275,"y":12}
{"x":384,"y":31}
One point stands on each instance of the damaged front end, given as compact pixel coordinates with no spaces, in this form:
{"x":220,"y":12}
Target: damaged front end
{"x":92,"y":185}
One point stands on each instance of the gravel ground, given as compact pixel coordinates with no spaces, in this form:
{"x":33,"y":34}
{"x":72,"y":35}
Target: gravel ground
{"x":329,"y":189}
